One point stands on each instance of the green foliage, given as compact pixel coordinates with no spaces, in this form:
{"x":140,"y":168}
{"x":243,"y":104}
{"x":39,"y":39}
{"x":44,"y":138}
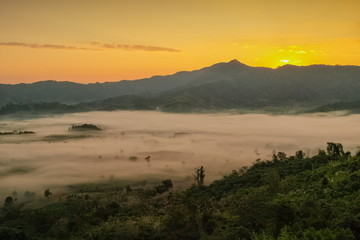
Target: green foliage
{"x":286,"y":198}
{"x":12,"y":234}
{"x":352,"y":107}
{"x":274,"y":180}
{"x":335,"y":150}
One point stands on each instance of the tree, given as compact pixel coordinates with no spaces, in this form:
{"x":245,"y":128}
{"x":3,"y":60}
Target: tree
{"x":167,"y":183}
{"x":280,"y":156}
{"x":28,"y":196}
{"x":164,"y":187}
{"x":200,"y":175}
{"x":335,"y":149}
{"x":47,"y":193}
{"x":9,"y":201}
{"x":300,"y":155}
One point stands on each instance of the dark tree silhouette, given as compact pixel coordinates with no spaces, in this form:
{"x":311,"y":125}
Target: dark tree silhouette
{"x":47,"y":193}
{"x":167,"y":183}
{"x":335,"y":149}
{"x":280,"y":156}
{"x":300,"y":154}
{"x":164,"y":187}
{"x":9,"y":201}
{"x":200,"y":175}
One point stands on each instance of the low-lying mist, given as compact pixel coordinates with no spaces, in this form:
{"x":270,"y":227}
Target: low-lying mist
{"x":55,"y":157}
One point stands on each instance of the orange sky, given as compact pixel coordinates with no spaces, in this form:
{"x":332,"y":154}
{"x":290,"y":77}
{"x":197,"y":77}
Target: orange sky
{"x":112,"y":40}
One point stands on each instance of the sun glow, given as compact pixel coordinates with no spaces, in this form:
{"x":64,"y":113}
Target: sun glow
{"x":292,"y":61}
{"x":285,"y":61}
{"x":157,"y":38}
{"x":278,"y":61}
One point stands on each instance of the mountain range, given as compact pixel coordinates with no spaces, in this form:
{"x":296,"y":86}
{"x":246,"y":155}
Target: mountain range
{"x":222,"y":86}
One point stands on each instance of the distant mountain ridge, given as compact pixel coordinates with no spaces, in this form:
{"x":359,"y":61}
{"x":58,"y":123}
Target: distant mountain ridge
{"x":228,"y":85}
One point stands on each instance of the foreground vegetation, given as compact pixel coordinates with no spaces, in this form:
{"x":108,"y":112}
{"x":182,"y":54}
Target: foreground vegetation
{"x":288,"y":197}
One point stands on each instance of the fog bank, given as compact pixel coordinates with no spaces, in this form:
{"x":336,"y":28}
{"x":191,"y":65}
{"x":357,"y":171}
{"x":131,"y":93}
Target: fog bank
{"x":176,"y":144}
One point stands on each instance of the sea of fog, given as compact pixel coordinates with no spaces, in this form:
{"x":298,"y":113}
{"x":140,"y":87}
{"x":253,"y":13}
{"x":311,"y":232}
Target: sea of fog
{"x":55,"y":157}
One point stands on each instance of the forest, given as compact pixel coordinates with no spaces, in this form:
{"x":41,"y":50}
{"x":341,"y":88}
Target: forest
{"x":287,"y":197}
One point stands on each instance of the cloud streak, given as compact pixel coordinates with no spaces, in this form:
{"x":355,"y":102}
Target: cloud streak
{"x":42,"y":46}
{"x":127,"y":47}
{"x":96,"y":46}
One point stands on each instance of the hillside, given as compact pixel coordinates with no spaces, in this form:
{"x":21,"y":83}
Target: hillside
{"x":287,"y":197}
{"x":351,"y":107}
{"x":231,"y":85}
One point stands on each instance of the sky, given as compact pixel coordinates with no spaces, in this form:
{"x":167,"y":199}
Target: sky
{"x":90,"y":41}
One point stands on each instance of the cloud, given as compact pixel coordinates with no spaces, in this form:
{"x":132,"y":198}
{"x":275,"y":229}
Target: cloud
{"x":42,"y":46}
{"x":96,"y":46}
{"x":134,"y":47}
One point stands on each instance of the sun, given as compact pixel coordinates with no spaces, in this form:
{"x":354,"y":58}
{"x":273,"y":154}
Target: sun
{"x":285,"y":61}
{"x":293,"y":54}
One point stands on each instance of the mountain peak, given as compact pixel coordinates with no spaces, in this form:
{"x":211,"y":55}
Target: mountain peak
{"x":233,"y":64}
{"x":288,"y":66}
{"x":236,"y":62}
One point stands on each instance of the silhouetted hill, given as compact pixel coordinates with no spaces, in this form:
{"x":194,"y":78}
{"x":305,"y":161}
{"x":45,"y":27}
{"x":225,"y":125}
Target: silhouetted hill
{"x":231,"y":85}
{"x":69,"y":92}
